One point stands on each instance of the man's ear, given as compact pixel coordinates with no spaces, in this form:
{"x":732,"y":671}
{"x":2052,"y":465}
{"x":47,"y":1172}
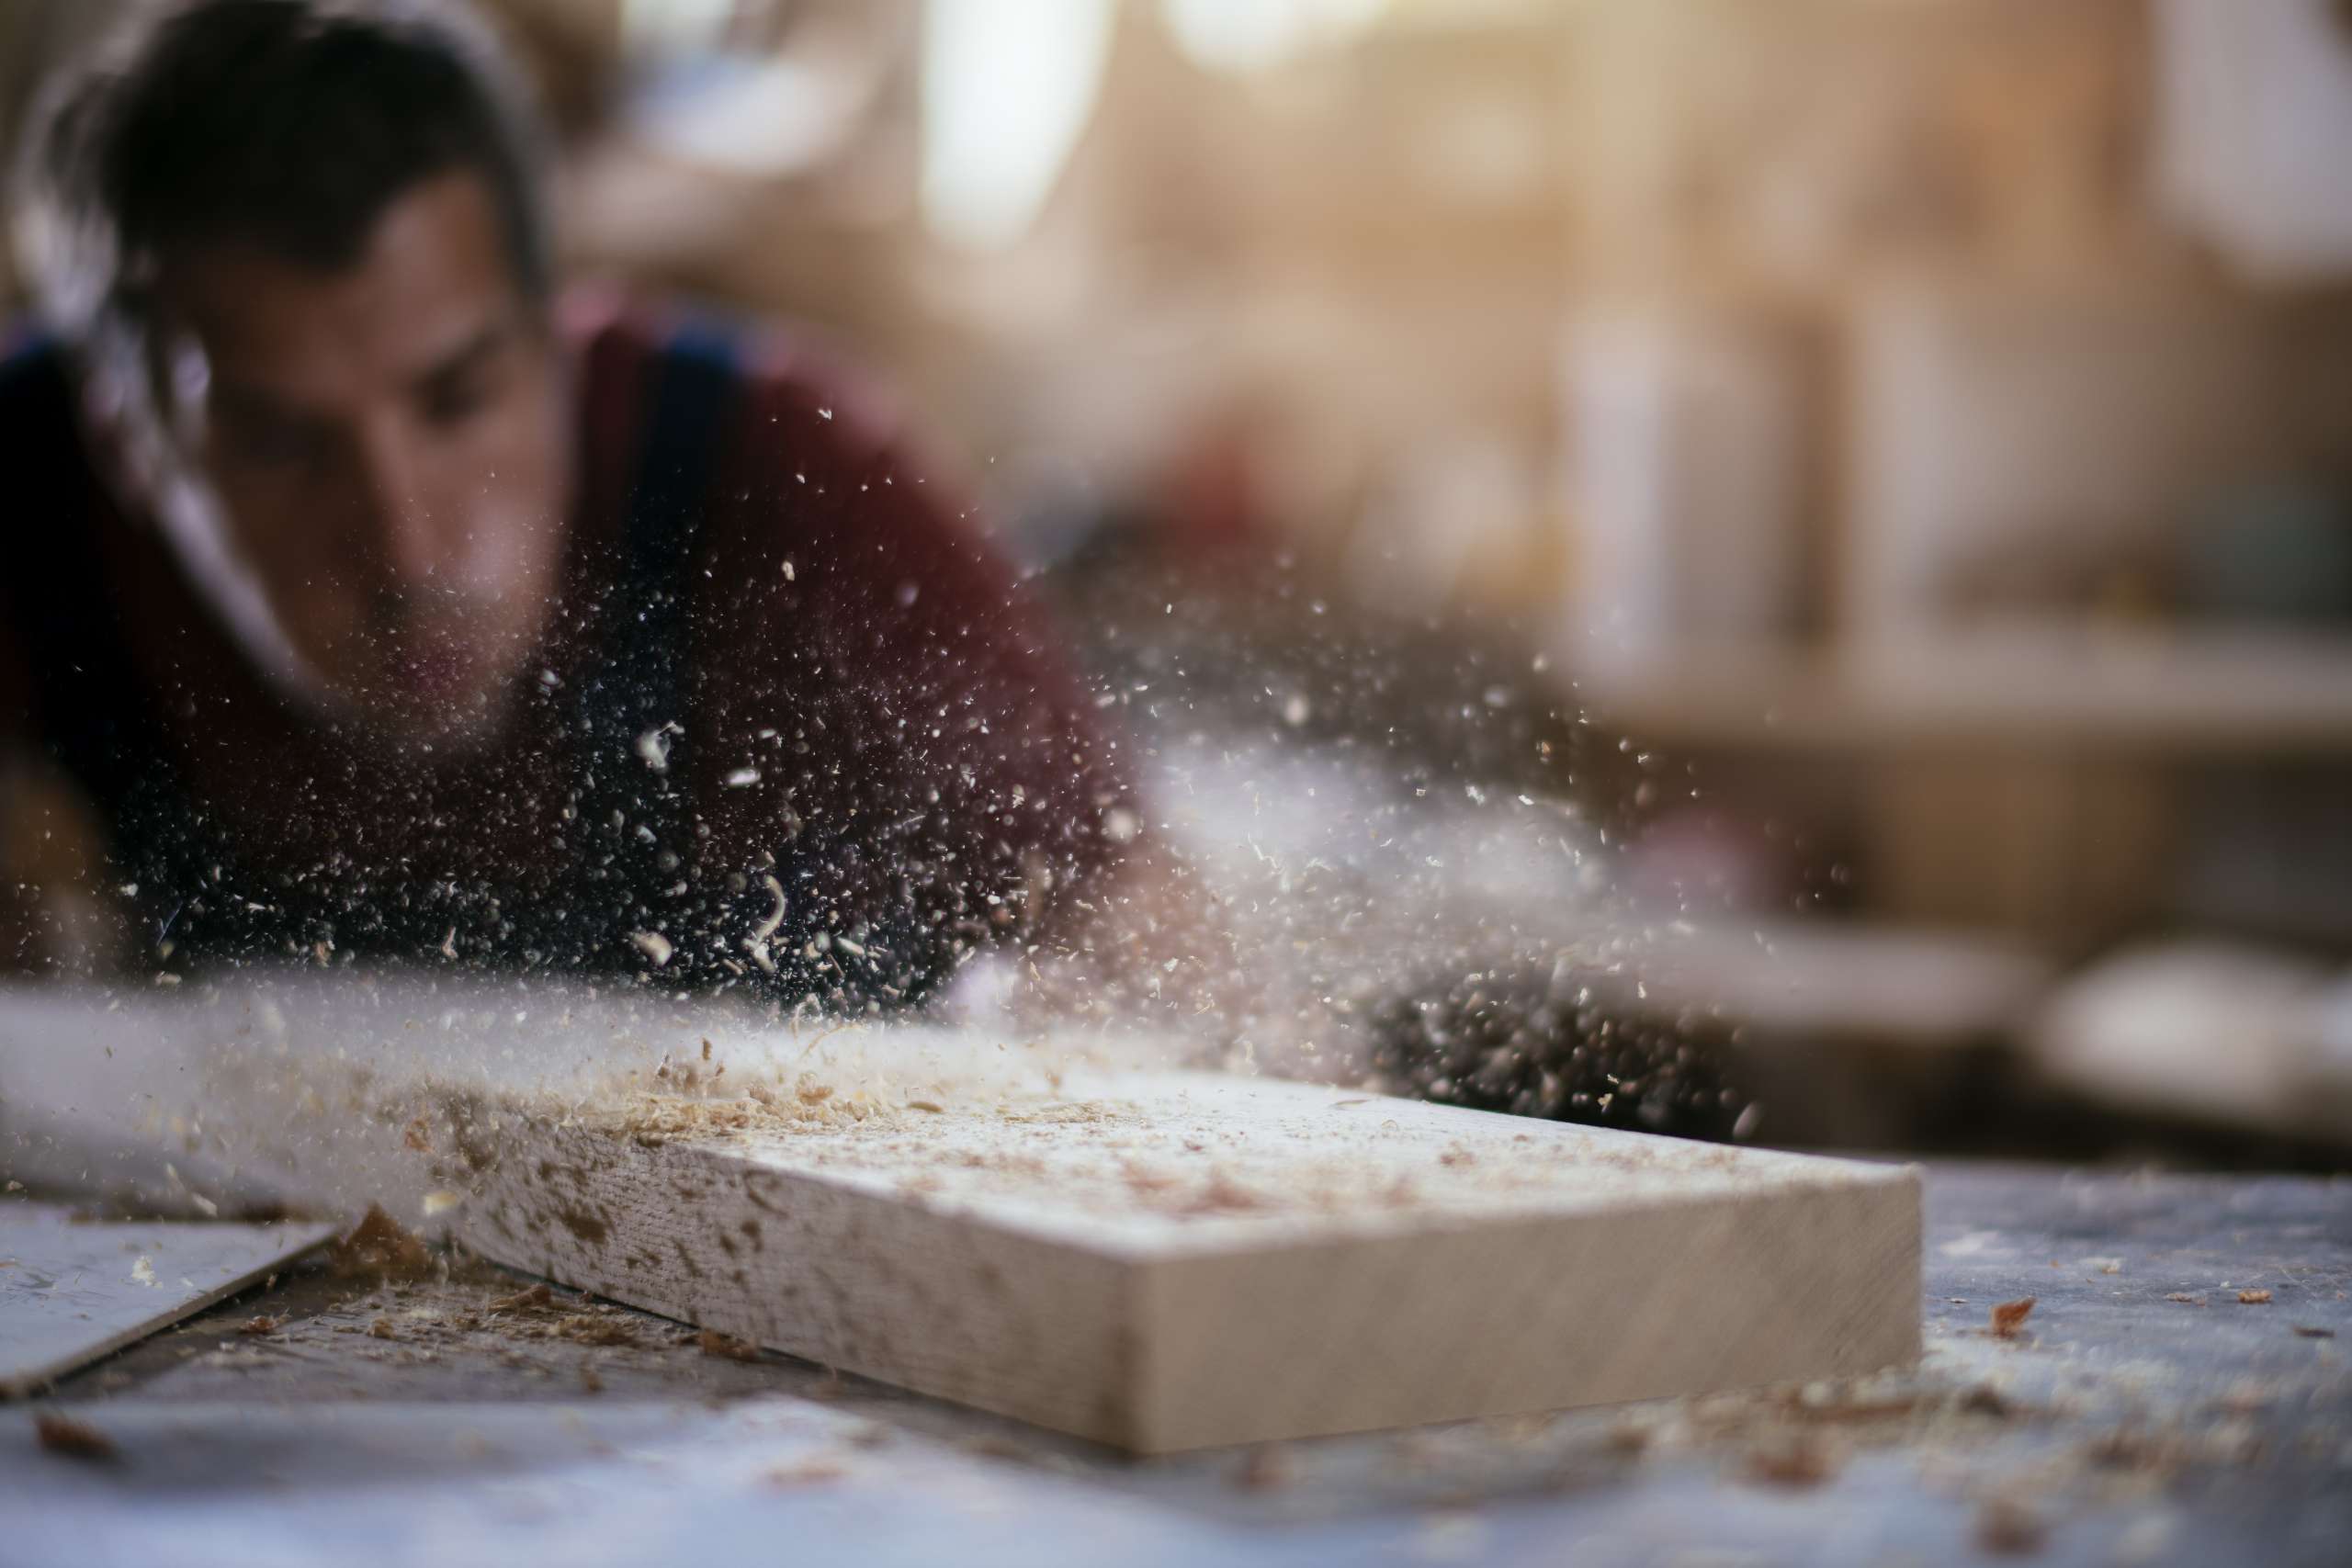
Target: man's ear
{"x":174,"y":373}
{"x":104,"y":415}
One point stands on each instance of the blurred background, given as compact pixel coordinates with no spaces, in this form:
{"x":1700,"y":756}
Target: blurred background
{"x":1769,"y":570}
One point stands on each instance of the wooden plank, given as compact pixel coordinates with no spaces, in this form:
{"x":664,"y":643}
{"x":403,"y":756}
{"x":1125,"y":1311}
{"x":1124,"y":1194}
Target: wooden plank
{"x":1167,"y":1261}
{"x":73,"y":1292}
{"x":1057,"y":1230}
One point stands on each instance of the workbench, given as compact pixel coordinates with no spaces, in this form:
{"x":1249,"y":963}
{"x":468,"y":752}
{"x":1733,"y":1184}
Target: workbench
{"x":2141,"y":1414}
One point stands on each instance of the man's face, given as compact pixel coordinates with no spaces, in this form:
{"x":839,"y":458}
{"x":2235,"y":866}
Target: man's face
{"x":391,"y":444}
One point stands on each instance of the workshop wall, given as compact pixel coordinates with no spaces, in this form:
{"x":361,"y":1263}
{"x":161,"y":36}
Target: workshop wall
{"x":1922,"y":431}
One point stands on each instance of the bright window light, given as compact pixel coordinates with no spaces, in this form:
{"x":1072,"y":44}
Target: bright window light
{"x":1007,"y":92}
{"x":1242,"y":36}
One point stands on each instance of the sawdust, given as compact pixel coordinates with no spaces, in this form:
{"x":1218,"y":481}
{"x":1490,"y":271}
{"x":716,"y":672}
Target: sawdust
{"x":655,"y":1119}
{"x":949,"y":1121}
{"x":1146,"y":1153}
{"x":2254,"y":1298}
{"x":536,"y":1312}
{"x":2009,"y":1317}
{"x":945,"y":1116}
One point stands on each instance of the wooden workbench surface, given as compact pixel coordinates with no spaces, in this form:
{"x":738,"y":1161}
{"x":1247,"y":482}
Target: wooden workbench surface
{"x":2141,"y":1414}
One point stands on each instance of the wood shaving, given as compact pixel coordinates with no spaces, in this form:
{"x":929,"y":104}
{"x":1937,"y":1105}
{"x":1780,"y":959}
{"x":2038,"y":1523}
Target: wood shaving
{"x":1262,"y":1469}
{"x":757,"y":941}
{"x":261,"y":1325}
{"x":2127,"y":1448}
{"x":2185,"y":1299}
{"x":2254,"y":1298}
{"x":71,"y":1438}
{"x":1983,"y":1399}
{"x":381,"y":1247}
{"x":2311,"y":1331}
{"x":523,"y":1300}
{"x":1890,"y":1408}
{"x":2248,"y":1396}
{"x":382,"y":1329}
{"x":713,"y":1343}
{"x":2009,"y":1528}
{"x":809,"y":1473}
{"x":1629,"y":1438}
{"x":991,"y":1445}
{"x":2009,"y":1316}
{"x":1222,"y":1195}
{"x":597,"y":1330}
{"x":1799,"y":1459}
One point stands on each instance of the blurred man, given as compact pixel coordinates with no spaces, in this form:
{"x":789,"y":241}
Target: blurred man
{"x":375,"y":598}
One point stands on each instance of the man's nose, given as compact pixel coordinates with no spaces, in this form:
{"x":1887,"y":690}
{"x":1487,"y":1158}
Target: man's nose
{"x":406,"y":524}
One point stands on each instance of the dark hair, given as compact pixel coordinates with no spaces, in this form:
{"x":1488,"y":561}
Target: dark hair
{"x":292,"y":123}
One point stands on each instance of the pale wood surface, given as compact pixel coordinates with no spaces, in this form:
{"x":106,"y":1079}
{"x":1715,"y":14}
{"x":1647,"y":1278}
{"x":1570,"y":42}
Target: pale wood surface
{"x":1169,"y":1261}
{"x":1058,"y":1231}
{"x":71,"y":1292}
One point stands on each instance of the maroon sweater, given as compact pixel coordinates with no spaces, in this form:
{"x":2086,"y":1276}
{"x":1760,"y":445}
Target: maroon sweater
{"x":869,"y":721}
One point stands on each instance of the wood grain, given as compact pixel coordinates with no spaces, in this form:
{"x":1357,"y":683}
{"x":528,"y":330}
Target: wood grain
{"x":1169,"y":1261}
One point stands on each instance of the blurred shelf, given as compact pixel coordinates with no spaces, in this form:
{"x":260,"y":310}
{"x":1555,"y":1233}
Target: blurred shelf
{"x":1920,"y":988}
{"x":2206,"y":692}
{"x":2202,"y":1031}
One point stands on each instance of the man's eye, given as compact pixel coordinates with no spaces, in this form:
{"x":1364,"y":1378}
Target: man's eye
{"x":457,"y":399}
{"x":276,"y":442}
